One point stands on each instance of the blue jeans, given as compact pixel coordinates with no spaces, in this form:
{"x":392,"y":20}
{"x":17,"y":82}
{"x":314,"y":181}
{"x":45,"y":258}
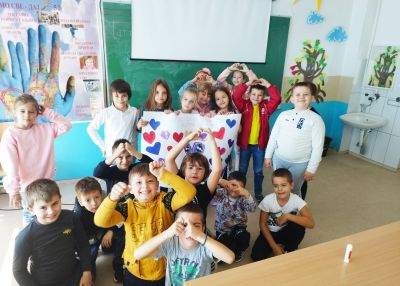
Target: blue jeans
{"x":297,"y":170}
{"x":258,"y":163}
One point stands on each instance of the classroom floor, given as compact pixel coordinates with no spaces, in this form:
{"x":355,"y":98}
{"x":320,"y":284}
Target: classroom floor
{"x":348,"y":195}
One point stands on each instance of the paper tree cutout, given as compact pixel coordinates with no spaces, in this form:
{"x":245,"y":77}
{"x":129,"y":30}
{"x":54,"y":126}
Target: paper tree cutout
{"x":384,"y":68}
{"x":338,"y":34}
{"x":314,"y":59}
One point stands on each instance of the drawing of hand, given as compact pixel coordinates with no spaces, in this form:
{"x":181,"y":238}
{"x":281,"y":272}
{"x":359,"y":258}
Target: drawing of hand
{"x":39,"y":81}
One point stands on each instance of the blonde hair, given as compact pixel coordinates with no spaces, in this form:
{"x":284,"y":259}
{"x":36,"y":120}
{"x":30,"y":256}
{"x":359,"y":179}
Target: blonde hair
{"x":26,"y":98}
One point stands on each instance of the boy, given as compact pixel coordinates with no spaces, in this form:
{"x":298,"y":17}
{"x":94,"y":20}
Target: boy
{"x":253,"y":137}
{"x":189,"y":251}
{"x":283,"y":218}
{"x":118,"y":119}
{"x":49,"y":244}
{"x":123,"y":154}
{"x":231,"y":202}
{"x":145,"y":216}
{"x":89,"y":197}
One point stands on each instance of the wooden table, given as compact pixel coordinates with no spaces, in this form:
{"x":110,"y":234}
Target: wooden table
{"x":375,"y":261}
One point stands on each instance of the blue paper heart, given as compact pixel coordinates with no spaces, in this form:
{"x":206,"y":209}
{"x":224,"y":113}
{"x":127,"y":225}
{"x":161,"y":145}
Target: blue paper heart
{"x":230,"y":142}
{"x":231,"y":123}
{"x":155,"y":149}
{"x":154,"y":124}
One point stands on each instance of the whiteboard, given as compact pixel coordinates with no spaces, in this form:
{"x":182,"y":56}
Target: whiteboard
{"x":200,"y":30}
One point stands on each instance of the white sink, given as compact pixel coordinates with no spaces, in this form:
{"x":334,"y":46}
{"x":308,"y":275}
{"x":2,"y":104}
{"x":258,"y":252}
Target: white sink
{"x":363,"y":120}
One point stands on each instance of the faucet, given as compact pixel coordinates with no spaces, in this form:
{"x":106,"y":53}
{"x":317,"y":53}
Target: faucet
{"x":370,"y":99}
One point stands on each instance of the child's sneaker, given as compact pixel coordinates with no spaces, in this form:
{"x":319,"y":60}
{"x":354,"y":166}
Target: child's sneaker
{"x":118,"y":278}
{"x":239,"y":256}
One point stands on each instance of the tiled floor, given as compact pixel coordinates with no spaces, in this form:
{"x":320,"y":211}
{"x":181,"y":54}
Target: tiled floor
{"x":348,"y":195}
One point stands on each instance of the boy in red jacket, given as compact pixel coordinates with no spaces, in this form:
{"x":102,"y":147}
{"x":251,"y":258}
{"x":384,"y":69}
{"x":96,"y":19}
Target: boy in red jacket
{"x":253,"y":138}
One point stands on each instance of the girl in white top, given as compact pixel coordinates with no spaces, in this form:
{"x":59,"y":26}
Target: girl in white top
{"x":118,"y":119}
{"x":297,"y":138}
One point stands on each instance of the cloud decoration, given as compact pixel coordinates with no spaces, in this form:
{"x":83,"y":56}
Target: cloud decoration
{"x":315,"y":18}
{"x":338,"y":34}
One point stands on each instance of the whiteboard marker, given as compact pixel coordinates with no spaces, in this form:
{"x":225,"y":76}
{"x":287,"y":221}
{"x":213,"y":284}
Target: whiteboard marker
{"x":347,"y":255}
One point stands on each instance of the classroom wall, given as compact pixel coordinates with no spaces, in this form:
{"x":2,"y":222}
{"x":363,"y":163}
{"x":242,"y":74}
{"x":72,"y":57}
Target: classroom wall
{"x":345,"y":69}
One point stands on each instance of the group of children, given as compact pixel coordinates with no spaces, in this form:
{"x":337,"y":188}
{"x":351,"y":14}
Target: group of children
{"x":159,"y":235}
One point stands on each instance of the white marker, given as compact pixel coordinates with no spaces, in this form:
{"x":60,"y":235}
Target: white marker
{"x":347,"y":255}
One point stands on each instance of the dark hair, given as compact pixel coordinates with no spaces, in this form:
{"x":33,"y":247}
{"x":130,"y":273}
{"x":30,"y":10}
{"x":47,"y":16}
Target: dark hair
{"x":141,"y":169}
{"x":238,"y":176}
{"x":121,"y":86}
{"x":119,"y":141}
{"x":310,"y":85}
{"x":283,"y":173}
{"x":195,"y":158}
{"x":150,"y":103}
{"x":41,"y":190}
{"x":87,"y":185}
{"x":192,"y":208}
{"x":26,"y":98}
{"x":214,"y":106}
{"x":259,"y":87}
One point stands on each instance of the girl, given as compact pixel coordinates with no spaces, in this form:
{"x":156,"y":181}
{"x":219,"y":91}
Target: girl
{"x":297,"y":138}
{"x":203,"y":98}
{"x":221,"y":102}
{"x":188,"y":101}
{"x":238,"y":77}
{"x":27,"y":149}
{"x":159,"y":100}
{"x":195,"y":167}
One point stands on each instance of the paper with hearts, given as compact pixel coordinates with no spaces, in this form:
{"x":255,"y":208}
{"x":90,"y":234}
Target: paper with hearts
{"x":165,"y":130}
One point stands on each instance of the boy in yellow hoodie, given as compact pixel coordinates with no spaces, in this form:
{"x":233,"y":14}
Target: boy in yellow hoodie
{"x":148,"y":214}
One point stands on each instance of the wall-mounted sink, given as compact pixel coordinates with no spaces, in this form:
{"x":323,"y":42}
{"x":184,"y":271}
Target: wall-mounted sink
{"x":363,"y":120}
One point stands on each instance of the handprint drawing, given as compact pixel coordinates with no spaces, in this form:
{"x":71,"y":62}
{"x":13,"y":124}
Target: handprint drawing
{"x":40,"y":81}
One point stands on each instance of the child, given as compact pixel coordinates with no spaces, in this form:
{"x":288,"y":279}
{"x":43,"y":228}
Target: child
{"x":283,"y":218}
{"x":221,"y":102}
{"x":188,"y":250}
{"x":115,"y":168}
{"x":89,"y":197}
{"x":159,"y":99}
{"x":188,"y":101}
{"x":54,"y":245}
{"x":118,"y":119}
{"x":231,"y":202}
{"x":238,"y":77}
{"x":150,"y":213}
{"x":297,"y":138}
{"x":253,"y":137}
{"x":27,"y":148}
{"x":195,"y":167}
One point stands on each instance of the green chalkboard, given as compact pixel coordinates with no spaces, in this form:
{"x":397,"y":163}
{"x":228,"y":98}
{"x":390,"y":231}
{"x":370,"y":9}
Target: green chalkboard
{"x":141,"y":73}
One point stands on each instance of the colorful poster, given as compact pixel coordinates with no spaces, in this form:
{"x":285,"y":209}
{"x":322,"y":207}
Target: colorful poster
{"x":165,"y":130}
{"x":51,"y":49}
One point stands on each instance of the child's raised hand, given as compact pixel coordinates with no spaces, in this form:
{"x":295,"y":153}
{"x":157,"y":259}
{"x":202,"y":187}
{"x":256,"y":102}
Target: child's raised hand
{"x":209,"y":79}
{"x":107,"y":238}
{"x":156,"y":168}
{"x":119,"y":190}
{"x":193,"y":135}
{"x":176,"y":228}
{"x":142,"y":123}
{"x":264,"y":82}
{"x":193,"y":232}
{"x":234,"y":67}
{"x":210,"y":135}
{"x":268,"y":163}
{"x":245,"y":68}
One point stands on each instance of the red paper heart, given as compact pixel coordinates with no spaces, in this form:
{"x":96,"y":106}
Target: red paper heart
{"x":149,"y":137}
{"x":169,"y":148}
{"x":221,"y":150}
{"x":177,"y":136}
{"x":219,"y":134}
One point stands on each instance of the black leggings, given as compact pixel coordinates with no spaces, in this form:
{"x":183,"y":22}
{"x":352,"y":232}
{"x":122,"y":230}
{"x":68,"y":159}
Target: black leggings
{"x":290,"y":236}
